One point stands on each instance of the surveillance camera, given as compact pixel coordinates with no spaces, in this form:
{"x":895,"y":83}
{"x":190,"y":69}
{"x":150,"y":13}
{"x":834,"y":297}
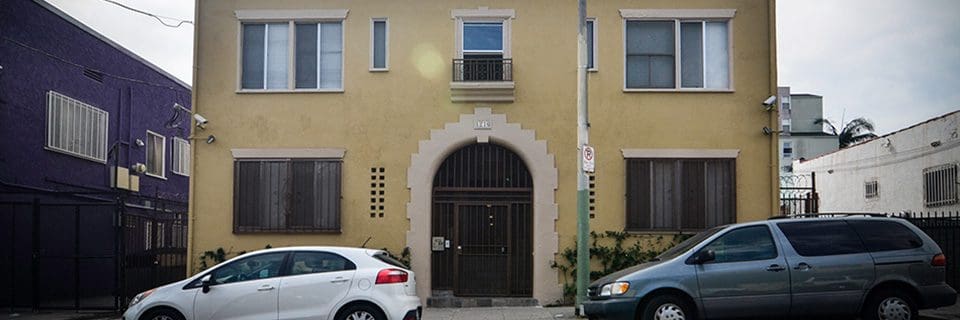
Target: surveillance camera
{"x":769,"y":102}
{"x":201,"y":121}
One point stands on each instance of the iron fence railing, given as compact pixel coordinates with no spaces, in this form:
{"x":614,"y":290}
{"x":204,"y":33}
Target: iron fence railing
{"x":944,"y":228}
{"x":482,"y":69}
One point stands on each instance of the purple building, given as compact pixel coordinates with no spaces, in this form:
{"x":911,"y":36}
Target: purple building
{"x":94,"y":163}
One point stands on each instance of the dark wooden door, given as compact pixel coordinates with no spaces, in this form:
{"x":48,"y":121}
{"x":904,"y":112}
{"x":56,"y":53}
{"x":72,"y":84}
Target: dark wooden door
{"x":482,"y":204}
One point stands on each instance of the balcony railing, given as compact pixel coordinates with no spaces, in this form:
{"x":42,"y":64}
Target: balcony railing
{"x":486,"y":69}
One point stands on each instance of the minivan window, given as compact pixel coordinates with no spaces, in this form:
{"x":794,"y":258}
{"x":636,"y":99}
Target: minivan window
{"x":317,"y":262}
{"x":687,"y":244}
{"x":822,"y":238}
{"x":886,"y":235}
{"x":743,"y":244}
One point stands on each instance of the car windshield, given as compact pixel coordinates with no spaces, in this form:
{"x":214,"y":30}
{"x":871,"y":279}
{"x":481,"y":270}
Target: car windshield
{"x":687,"y":244}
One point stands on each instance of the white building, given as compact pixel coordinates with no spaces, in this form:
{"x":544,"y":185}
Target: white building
{"x":913,"y":169}
{"x":800,"y":137}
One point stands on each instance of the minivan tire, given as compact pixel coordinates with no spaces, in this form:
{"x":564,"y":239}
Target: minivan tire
{"x":892,"y":302}
{"x":162,"y":314}
{"x":667,"y":307}
{"x":361,"y":312}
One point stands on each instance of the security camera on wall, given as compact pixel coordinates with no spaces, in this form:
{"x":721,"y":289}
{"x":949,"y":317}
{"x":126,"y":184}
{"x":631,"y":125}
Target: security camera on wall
{"x":769,"y":102}
{"x":201,"y":121}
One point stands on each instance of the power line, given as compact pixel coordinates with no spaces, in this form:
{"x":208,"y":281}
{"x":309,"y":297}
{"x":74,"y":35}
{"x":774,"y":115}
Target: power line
{"x":58,"y":58}
{"x":155,"y":16}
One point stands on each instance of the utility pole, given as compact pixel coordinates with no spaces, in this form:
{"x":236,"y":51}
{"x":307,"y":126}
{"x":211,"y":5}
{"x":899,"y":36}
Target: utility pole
{"x":583,"y":222}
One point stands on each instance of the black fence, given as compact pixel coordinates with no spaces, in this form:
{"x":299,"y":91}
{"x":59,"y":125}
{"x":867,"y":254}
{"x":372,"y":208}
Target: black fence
{"x":798,"y":194}
{"x":91,"y":252}
{"x":944,"y":229}
{"x":483,"y":69}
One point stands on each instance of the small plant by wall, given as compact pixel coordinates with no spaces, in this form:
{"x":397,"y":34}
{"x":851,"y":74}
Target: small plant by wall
{"x":610,"y":253}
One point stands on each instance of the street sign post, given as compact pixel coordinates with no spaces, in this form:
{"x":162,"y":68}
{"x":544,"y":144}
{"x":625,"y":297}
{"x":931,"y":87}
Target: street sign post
{"x":589,"y":156}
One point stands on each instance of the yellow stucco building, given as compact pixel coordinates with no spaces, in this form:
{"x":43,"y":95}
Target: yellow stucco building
{"x":449,"y":127}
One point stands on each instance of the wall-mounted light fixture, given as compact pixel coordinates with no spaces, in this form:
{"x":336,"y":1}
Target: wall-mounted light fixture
{"x":211,"y":138}
{"x":935,"y":144}
{"x":767,"y":131}
{"x":140,"y":143}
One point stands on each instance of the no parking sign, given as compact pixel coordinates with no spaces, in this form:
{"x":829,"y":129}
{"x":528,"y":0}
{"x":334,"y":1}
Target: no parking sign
{"x":589,"y":159}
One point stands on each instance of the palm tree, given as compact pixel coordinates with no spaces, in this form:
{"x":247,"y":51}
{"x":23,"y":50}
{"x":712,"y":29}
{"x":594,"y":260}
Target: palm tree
{"x":855,"y":131}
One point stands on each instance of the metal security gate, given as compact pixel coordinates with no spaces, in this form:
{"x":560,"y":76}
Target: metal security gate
{"x":85,"y":252}
{"x":482,"y":221}
{"x":798,"y":194}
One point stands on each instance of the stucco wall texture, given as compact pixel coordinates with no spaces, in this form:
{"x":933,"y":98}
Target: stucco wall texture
{"x":381,"y":118}
{"x":42,"y":52}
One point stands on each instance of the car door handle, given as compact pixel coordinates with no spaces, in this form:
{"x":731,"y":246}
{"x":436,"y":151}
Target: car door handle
{"x":339,"y":280}
{"x":776,"y":268}
{"x":803,"y":266}
{"x":266,"y":288}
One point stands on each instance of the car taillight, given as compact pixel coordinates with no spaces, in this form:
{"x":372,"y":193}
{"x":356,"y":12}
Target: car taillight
{"x":939,"y":260}
{"x":386,"y":276}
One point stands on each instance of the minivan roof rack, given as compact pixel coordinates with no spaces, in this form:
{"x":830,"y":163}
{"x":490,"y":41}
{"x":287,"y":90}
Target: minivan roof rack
{"x":834,"y":214}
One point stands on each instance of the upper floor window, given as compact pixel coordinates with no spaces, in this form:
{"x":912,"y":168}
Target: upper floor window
{"x":940,"y":185}
{"x":76,"y":128}
{"x":688,"y":50}
{"x":787,"y":149}
{"x":871,"y":189}
{"x":181,"y":157}
{"x":591,"y":44}
{"x":379,"y":40}
{"x":156,"y":154}
{"x":304,"y":52}
{"x":483,"y":45}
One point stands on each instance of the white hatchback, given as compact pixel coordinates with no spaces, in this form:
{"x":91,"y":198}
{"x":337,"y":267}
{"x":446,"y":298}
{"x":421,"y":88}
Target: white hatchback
{"x":322,"y":283}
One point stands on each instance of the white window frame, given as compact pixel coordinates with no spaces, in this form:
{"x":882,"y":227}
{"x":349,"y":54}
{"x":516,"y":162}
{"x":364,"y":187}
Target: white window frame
{"x":783,"y":149}
{"x":482,"y":15}
{"x":594,"y":47}
{"x":89,"y":114}
{"x":179,"y":157}
{"x":291,"y":17}
{"x":678,"y":16}
{"x":163,"y":155}
{"x":386,"y":44}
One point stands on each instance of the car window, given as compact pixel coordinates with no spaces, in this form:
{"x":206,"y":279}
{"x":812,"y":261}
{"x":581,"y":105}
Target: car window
{"x":886,"y":235}
{"x":687,"y":244}
{"x":822,"y":238}
{"x":743,"y":244}
{"x":317,"y":262}
{"x":252,"y":268}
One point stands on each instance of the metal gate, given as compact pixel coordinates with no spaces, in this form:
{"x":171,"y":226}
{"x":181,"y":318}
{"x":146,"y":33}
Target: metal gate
{"x":944,"y":229}
{"x":65,"y":251}
{"x":482,"y":205}
{"x":798,"y":194}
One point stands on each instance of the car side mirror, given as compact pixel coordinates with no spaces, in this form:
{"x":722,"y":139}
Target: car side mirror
{"x":704,"y":257}
{"x":205,"y":283}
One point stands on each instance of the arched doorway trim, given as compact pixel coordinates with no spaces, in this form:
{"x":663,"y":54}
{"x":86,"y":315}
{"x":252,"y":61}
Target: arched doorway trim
{"x":482,"y":126}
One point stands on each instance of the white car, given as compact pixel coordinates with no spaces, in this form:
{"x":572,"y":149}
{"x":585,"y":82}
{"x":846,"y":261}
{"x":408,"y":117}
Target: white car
{"x":289,"y":283}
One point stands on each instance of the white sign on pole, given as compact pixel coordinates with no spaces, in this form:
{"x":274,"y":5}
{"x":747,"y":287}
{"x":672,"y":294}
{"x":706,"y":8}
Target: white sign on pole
{"x":589,"y":159}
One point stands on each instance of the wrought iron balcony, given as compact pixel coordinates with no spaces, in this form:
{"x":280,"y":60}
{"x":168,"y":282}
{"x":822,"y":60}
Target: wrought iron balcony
{"x":482,"y":69}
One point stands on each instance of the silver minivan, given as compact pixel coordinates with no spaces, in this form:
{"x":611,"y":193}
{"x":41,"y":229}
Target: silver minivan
{"x":874,"y":267}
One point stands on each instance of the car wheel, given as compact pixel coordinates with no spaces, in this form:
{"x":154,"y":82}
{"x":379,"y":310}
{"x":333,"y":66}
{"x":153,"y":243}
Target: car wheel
{"x":162,"y":314}
{"x":361,"y":312}
{"x":890,"y":305}
{"x":667,"y":307}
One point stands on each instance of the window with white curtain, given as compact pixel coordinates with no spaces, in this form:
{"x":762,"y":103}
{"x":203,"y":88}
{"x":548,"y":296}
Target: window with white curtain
{"x":181,"y":157}
{"x":156,"y":153}
{"x":317,"y":55}
{"x":653,"y":60}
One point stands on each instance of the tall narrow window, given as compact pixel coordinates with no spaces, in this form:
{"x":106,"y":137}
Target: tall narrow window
{"x":180,"y":157}
{"x":76,"y":128}
{"x":378,"y":44}
{"x":591,"y":44}
{"x":156,"y":152}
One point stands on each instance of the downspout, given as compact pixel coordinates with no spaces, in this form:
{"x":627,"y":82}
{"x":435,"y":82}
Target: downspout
{"x":774,"y":114}
{"x":194,"y":103}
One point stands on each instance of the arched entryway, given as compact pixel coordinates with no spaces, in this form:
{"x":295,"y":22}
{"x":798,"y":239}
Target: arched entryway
{"x":483,"y":212}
